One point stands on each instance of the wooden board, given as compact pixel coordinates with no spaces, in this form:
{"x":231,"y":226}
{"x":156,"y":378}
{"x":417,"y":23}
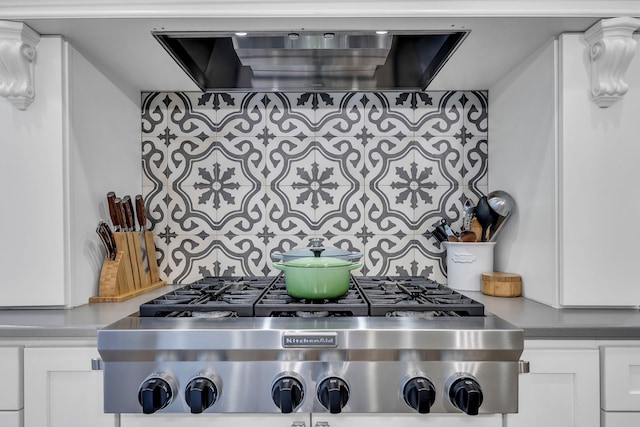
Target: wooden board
{"x":499,"y":284}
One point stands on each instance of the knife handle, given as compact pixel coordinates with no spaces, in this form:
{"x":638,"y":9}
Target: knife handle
{"x":111,"y":201}
{"x":120,"y":213}
{"x":128,"y":211}
{"x":104,"y":232}
{"x":140,"y":212}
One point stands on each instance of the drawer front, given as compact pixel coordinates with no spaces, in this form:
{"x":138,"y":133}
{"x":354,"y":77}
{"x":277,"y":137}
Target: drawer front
{"x":11,"y":374}
{"x":11,"y":419}
{"x":619,"y":419}
{"x":620,"y":372}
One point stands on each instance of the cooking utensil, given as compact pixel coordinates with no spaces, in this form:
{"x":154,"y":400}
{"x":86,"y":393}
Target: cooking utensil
{"x":149,"y":244}
{"x":503,"y":205}
{"x":443,"y":232}
{"x":329,"y":251}
{"x":317,"y":277}
{"x":485,"y":216}
{"x":467,"y":214}
{"x":468,"y":236}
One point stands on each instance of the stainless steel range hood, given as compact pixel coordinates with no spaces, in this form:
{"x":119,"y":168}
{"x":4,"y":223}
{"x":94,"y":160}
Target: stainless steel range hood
{"x":311,"y":61}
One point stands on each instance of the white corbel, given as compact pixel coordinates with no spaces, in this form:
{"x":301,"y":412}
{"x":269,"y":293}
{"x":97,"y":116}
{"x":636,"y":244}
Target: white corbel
{"x":611,"y":48}
{"x":17,"y":63}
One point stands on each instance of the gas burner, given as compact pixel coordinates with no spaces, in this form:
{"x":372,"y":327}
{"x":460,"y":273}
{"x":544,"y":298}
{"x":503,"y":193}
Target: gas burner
{"x":422,"y":314}
{"x":312,"y":314}
{"x":213,"y":314}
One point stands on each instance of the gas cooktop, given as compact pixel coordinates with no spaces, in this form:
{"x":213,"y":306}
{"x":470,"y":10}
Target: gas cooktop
{"x":390,"y":296}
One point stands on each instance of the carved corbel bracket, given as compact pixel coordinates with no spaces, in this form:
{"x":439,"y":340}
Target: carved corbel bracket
{"x":611,"y":48}
{"x":17,"y":63}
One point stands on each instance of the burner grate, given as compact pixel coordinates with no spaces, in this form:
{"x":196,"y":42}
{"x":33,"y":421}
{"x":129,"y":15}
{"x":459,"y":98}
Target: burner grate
{"x":223,"y":296}
{"x":388,"y":296}
{"x":391,"y":296}
{"x":277,"y":303}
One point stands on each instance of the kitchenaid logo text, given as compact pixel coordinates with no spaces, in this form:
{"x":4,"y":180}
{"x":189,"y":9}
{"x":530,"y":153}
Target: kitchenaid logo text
{"x":309,"y":340}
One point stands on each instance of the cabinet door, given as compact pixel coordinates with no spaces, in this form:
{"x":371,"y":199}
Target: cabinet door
{"x":403,"y":420}
{"x":61,"y":390}
{"x":11,"y":418}
{"x":214,"y":420}
{"x":562,"y":389}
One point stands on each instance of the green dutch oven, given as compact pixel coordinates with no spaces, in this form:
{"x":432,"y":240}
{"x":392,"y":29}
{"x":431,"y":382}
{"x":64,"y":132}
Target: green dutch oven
{"x":317,"y":277}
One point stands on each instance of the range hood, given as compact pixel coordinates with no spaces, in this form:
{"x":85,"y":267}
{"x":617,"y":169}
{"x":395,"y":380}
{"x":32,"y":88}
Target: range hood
{"x":311,"y":61}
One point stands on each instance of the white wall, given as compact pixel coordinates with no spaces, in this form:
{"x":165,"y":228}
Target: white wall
{"x":104,"y":155}
{"x":522,"y":156}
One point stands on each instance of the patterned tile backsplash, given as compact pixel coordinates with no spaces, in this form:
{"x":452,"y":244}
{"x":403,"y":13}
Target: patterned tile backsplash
{"x":229,"y":178}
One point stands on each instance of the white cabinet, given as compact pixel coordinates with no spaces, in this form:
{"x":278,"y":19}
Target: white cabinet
{"x":214,"y":420}
{"x":562,"y":387}
{"x":309,"y":420}
{"x":61,"y":390}
{"x":566,"y":162}
{"x":11,"y":391}
{"x":620,"y":375}
{"x":79,"y":139}
{"x":402,"y":420}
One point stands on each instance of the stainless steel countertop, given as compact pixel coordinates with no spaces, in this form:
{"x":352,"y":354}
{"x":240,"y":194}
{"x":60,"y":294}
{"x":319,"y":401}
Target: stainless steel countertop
{"x":537,"y":320}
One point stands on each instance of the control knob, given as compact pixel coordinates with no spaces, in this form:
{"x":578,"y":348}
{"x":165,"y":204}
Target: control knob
{"x":287,"y":394}
{"x":200,"y":394}
{"x":466,"y":395}
{"x":419,"y":393}
{"x":333,"y":394}
{"x":154,"y":394}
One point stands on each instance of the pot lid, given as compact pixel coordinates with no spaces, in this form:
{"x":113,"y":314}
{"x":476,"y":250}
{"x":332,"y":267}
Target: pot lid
{"x":318,"y":262}
{"x":329,"y":251}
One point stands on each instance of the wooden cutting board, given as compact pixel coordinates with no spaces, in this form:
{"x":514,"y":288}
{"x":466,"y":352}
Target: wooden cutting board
{"x":500,"y":284}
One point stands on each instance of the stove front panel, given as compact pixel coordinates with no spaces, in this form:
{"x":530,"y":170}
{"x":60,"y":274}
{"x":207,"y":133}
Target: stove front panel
{"x":374,"y":386}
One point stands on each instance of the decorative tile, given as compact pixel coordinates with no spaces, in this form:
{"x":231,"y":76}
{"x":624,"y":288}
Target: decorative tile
{"x":154,"y":114}
{"x":229,"y":178}
{"x":288,"y":213}
{"x":388,"y":255}
{"x":340,"y":211}
{"x":475,"y":162}
{"x":440,"y":160}
{"x":386,"y":114}
{"x":339,"y":114}
{"x":442,"y":117}
{"x":242,"y":114}
{"x":187,"y":118}
{"x":289,"y":114}
{"x":476,"y":112}
{"x":155,"y":170}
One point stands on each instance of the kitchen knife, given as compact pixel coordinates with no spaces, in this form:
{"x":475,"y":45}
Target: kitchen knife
{"x":150,"y":245}
{"x":142,"y":221}
{"x":111,"y":201}
{"x":133,"y":238}
{"x":119,"y":214}
{"x":104,"y":232}
{"x":128,"y":211}
{"x":123,"y":241}
{"x":140,"y":212}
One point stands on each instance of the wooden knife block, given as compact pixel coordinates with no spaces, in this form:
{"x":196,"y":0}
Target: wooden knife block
{"x":125,"y":277}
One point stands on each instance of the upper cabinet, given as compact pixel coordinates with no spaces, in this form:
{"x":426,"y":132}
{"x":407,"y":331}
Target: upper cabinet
{"x":571,"y":167}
